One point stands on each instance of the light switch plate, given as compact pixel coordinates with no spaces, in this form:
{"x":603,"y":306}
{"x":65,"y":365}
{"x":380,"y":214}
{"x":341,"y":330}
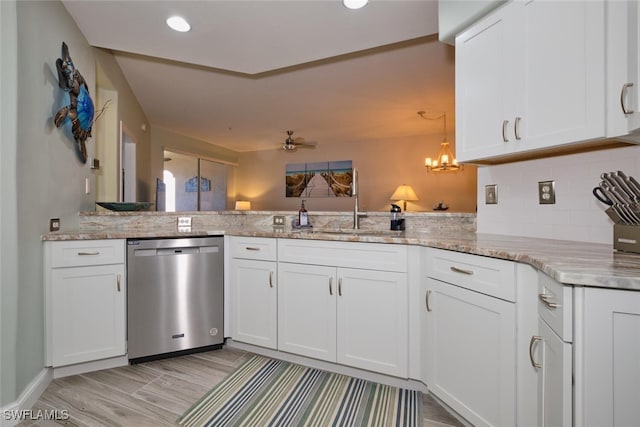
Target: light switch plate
{"x":491,"y":194}
{"x":547,"y":192}
{"x":278,"y":221}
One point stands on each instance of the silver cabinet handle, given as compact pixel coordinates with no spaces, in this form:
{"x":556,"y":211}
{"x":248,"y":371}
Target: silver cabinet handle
{"x":545,"y":300}
{"x":88,"y":253}
{"x":461,"y":271}
{"x":330,"y":285}
{"x":426,"y":299}
{"x":516,"y":128}
{"x":533,"y":341}
{"x":271,"y":279}
{"x":340,"y":287}
{"x":118,"y":279}
{"x":505,"y":123}
{"x":623,"y":94}
{"x":251,"y":248}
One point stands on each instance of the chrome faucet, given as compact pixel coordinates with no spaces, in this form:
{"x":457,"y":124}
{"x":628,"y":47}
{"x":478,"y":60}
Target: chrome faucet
{"x":354,"y":193}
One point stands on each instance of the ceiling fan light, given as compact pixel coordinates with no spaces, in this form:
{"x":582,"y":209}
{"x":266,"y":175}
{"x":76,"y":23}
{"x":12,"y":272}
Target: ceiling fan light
{"x":354,"y":4}
{"x":178,"y":23}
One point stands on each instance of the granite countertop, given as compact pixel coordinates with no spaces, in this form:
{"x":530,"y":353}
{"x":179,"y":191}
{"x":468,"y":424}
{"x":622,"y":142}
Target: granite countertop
{"x":569,"y":262}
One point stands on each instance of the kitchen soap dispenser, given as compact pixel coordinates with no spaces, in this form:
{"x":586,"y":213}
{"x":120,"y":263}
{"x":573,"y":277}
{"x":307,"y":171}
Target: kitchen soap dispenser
{"x":303,"y":216}
{"x":397,"y":221}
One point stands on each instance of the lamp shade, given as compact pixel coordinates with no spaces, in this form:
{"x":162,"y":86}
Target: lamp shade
{"x":243,"y":205}
{"x":404,"y":193}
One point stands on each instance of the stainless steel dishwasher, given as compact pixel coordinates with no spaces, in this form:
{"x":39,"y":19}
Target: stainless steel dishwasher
{"x":175,"y":298}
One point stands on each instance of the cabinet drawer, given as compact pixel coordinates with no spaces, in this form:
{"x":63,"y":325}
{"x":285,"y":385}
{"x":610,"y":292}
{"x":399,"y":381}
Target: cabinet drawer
{"x":370,"y":256}
{"x":555,"y":306}
{"x":80,"y":253}
{"x":490,"y":276}
{"x":260,"y":248}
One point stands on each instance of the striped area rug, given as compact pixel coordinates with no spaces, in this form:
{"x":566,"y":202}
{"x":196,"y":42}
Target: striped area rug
{"x":268,"y":392}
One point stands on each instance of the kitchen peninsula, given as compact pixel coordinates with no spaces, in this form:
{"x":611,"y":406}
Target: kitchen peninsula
{"x":575,"y":263}
{"x":532,"y":313}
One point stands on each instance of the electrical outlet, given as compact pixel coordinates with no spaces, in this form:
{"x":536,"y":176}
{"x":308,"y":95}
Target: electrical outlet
{"x":278,"y":221}
{"x":547,"y":192}
{"x":491,"y":194}
{"x":54,"y":224}
{"x":184,"y":223}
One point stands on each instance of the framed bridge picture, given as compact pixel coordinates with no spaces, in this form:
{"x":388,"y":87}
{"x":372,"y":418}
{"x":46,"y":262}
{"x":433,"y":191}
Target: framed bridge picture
{"x":319,"y":179}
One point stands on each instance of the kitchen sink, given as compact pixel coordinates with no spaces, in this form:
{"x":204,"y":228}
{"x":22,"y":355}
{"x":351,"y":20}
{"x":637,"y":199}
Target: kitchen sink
{"x":355,"y":232}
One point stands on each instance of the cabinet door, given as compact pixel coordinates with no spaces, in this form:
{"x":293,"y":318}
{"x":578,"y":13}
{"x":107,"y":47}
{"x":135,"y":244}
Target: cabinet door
{"x":470,"y":352}
{"x":563,"y":69}
{"x":307,"y":310}
{"x":373,"y":320}
{"x":486,"y":87}
{"x":623,"y":67}
{"x":554,"y":379}
{"x":610,"y":352}
{"x":253,"y":284}
{"x":87,"y":314}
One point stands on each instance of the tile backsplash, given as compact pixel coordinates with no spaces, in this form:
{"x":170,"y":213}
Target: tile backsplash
{"x":576,"y":215}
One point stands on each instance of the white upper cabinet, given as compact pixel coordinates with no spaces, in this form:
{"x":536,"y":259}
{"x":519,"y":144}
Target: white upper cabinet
{"x":530,"y":76}
{"x":485,"y":87}
{"x":623,"y":69}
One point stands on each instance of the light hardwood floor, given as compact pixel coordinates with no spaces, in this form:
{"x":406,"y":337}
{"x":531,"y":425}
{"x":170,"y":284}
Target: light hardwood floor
{"x":156,"y":393}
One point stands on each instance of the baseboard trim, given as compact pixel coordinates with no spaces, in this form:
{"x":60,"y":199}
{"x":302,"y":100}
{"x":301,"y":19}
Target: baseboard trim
{"x":83,"y":368}
{"x":11,"y":414}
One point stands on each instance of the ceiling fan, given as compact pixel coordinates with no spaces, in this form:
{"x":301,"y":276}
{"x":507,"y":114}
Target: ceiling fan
{"x":291,"y":144}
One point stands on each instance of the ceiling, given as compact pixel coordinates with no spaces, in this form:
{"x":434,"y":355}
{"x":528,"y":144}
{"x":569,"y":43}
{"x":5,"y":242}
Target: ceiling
{"x":248,"y":71}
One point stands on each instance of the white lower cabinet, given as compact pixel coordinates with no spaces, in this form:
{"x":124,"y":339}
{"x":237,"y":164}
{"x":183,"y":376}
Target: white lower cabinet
{"x":254,"y":302}
{"x":554,"y":378}
{"x":469,"y":347}
{"x":307,"y":310}
{"x":353,"y":316}
{"x":253,"y":278}
{"x":470,"y":360}
{"x":85,"y":300}
{"x":607,"y":383}
{"x":372,"y":325}
{"x":551,"y":352}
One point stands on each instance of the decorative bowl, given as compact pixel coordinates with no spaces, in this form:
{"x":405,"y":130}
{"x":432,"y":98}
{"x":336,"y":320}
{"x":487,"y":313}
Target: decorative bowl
{"x":125,"y":206}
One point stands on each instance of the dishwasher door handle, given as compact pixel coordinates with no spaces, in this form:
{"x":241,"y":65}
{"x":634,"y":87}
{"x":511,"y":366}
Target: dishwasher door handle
{"x":178,"y":251}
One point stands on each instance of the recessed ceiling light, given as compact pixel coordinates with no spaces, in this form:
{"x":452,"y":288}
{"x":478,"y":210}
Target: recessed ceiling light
{"x":354,"y":4}
{"x":178,"y":23}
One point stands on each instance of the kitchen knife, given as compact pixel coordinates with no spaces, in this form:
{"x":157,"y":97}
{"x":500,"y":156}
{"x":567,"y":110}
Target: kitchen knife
{"x":632,"y":183}
{"x":622,"y":184}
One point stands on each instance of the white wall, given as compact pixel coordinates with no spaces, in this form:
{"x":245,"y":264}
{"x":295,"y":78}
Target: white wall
{"x":577,"y":215}
{"x":382,"y":165}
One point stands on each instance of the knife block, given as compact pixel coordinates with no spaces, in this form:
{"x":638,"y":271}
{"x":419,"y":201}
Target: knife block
{"x":626,"y":238}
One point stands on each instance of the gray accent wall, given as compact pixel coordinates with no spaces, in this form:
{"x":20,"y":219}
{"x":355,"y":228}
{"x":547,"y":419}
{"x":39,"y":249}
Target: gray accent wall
{"x":41,"y":177}
{"x":44,"y":178}
{"x":8,"y":212}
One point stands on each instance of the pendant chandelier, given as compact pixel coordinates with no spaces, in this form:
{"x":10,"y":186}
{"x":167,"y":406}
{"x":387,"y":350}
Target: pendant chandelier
{"x":445,"y":160}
